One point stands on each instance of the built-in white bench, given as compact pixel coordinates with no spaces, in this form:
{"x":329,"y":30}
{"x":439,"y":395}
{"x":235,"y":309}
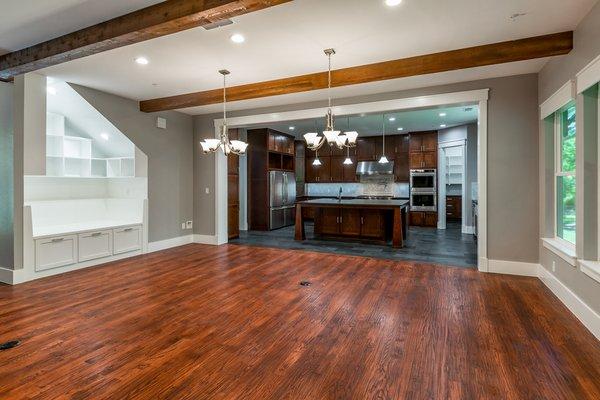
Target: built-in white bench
{"x":78,"y":233}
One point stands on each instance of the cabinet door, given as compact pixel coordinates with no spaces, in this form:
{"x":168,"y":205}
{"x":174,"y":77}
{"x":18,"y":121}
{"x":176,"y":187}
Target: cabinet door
{"x":337,"y":169}
{"x":350,"y":171}
{"x":429,"y":141}
{"x":431,"y":219}
{"x":364,"y":149}
{"x":401,"y":169}
{"x":336,"y":151}
{"x":415,"y":143}
{"x":430,"y":159}
{"x":55,"y":252}
{"x":328,"y":221}
{"x":127,"y":239}
{"x":401,"y":144}
{"x":372,"y":224}
{"x":417,"y":218}
{"x":94,"y":245}
{"x":272,"y":145}
{"x":324,"y":170}
{"x":416,"y":160}
{"x":350,"y":222}
{"x":390,"y":147}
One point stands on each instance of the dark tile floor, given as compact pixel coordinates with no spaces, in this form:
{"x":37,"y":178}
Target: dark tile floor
{"x":448,"y":247}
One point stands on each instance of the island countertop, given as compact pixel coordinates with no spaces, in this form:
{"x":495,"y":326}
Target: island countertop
{"x":356,"y":202}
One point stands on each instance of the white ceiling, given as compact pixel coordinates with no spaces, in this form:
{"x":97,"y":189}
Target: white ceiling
{"x":288,"y":40}
{"x":24,"y":23}
{"x":372,"y":124}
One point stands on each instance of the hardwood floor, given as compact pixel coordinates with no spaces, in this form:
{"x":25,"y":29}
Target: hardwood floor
{"x":232,"y":322}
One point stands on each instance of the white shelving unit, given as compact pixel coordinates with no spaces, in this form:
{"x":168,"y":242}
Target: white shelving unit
{"x":454,"y":165}
{"x":71,"y":156}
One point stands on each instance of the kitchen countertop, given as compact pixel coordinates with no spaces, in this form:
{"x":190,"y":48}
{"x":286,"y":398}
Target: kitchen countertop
{"x":356,"y":202}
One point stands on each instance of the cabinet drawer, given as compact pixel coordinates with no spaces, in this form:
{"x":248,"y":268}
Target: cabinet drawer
{"x":127,"y":239}
{"x":55,"y":252}
{"x":94,"y":245}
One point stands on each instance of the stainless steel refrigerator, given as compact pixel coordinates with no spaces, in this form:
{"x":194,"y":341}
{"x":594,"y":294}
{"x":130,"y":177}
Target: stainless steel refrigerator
{"x":282,"y":198}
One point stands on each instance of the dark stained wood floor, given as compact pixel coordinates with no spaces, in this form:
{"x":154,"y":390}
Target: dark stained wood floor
{"x":231,"y":322}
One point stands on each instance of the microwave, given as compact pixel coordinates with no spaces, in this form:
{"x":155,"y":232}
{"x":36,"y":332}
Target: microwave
{"x":423,"y":180}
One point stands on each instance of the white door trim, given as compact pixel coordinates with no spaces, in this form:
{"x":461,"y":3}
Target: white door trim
{"x":442,"y":181}
{"x":479,"y":97}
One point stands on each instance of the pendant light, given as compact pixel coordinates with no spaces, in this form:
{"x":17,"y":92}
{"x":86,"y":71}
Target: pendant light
{"x":316,"y":162}
{"x":383,"y":159}
{"x":348,"y":160}
{"x":330,"y":134}
{"x":227,"y":146}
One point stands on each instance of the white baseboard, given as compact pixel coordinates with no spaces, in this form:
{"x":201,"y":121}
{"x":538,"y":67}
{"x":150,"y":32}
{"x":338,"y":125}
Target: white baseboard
{"x":206,"y":239}
{"x":512,"y":267}
{"x":168,"y":243}
{"x":6,"y":275}
{"x":588,"y":317}
{"x":468,"y":230}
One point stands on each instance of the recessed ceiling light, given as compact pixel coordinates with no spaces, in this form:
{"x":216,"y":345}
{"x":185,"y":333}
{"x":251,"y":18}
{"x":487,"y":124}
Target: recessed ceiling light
{"x":400,"y":128}
{"x":142,"y":60}
{"x":442,"y":125}
{"x":392,"y":3}
{"x":392,"y":119}
{"x":292,"y":128}
{"x":51,"y":90}
{"x":238,"y":38}
{"x":442,"y":114}
{"x":104,"y":136}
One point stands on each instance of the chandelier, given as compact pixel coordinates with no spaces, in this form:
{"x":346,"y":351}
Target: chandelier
{"x":227,"y":146}
{"x":330,"y":134}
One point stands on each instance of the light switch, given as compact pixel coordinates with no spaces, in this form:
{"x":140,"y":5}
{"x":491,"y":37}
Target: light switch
{"x":207,"y":190}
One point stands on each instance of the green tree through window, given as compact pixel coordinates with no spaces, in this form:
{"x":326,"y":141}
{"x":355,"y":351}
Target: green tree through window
{"x":566,"y":182}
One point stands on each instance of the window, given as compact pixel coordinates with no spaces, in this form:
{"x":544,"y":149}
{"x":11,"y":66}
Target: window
{"x":565,"y":174}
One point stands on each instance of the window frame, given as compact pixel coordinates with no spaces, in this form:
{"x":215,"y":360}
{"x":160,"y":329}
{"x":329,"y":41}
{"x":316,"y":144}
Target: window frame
{"x":558,"y":172}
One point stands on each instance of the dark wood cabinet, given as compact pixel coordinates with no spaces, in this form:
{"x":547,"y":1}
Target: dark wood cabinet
{"x":268,"y":150}
{"x":349,"y":222}
{"x":423,"y":218}
{"x":328,"y":221}
{"x":350,"y":170}
{"x":373,"y":224}
{"x":365,"y":149}
{"x":337,"y":169}
{"x":423,"y":150}
{"x":453,"y":207}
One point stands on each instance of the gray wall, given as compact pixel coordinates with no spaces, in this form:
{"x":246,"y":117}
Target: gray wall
{"x":170,"y":159}
{"x":6,"y":175}
{"x":512,"y":157}
{"x":555,"y":74}
{"x":586,"y":47}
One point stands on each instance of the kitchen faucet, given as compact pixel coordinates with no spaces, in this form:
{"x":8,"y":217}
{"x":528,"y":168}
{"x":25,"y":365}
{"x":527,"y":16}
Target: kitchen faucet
{"x":340,"y":194}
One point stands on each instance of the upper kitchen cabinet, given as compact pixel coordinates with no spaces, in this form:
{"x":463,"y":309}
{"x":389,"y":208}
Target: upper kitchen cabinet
{"x":281,"y":143}
{"x":423,"y":150}
{"x":365,"y":149}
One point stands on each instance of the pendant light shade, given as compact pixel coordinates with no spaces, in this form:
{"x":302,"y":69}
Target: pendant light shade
{"x":383,"y":159}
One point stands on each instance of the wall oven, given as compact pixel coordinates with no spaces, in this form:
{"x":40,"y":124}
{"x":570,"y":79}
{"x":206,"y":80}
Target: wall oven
{"x":423,"y":201}
{"x":423,"y":180}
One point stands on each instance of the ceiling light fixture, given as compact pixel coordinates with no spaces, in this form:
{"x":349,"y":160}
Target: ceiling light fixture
{"x":142,"y":60}
{"x":104,"y":135}
{"x":442,"y":114}
{"x":383,"y":159}
{"x":237,"y":38}
{"x":227,"y":146}
{"x":392,"y":3}
{"x":442,"y":125}
{"x":400,"y":128}
{"x":292,"y":128}
{"x":330,"y":134}
{"x":392,"y":119}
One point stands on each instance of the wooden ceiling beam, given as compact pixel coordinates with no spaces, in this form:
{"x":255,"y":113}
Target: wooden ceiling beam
{"x":478,"y":56}
{"x":147,"y":23}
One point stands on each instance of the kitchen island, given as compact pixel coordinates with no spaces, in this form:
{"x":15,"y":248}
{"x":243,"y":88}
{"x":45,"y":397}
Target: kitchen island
{"x":355,"y":218}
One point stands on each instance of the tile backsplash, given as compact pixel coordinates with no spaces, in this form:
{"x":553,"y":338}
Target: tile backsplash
{"x":368,"y":186}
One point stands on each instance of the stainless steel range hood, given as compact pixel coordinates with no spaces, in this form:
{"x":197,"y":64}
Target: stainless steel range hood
{"x":374,"y":168}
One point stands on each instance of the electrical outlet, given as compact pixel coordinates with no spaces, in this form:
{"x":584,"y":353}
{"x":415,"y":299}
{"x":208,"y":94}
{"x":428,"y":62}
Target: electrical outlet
{"x":189,"y":224}
{"x":183,"y":225}
{"x":207,"y":190}
{"x":553,"y":266}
